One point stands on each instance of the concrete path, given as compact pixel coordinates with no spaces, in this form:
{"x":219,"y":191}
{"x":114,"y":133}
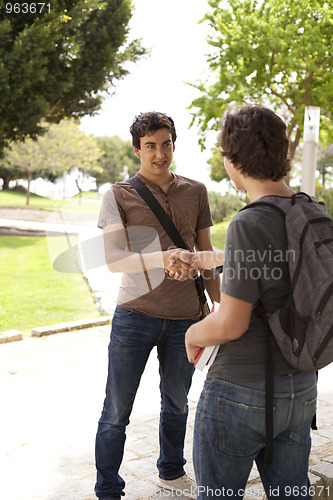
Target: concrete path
{"x":52,"y":390}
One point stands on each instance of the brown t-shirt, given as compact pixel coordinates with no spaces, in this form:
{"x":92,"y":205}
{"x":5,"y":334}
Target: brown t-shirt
{"x":152,"y":292}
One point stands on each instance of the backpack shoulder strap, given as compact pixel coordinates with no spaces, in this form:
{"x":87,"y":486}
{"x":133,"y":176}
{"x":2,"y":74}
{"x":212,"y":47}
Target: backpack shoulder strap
{"x":269,"y":371}
{"x":265,"y":204}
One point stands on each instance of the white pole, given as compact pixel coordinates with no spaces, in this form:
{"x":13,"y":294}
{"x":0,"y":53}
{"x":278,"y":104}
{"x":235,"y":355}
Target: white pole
{"x":310,"y":147}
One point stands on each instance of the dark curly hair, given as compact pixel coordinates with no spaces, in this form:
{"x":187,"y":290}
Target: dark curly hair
{"x":254,"y":139}
{"x":147,"y":124}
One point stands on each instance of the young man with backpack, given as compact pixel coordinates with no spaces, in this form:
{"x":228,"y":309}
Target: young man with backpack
{"x":233,"y":414}
{"x":152,"y":308}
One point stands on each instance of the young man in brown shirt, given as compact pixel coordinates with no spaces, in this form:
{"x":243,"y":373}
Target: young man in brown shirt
{"x":152,"y":308}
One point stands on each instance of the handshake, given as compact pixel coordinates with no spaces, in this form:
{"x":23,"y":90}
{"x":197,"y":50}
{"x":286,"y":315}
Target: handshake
{"x":182,"y":264}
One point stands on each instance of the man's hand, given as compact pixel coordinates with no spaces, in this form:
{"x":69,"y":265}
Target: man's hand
{"x":175,"y":267}
{"x":191,"y":349}
{"x":197,"y":260}
{"x":185,"y":264}
{"x":181,"y":267}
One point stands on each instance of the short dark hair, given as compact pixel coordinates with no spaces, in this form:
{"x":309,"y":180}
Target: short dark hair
{"x":255,"y":140}
{"x":147,"y":124}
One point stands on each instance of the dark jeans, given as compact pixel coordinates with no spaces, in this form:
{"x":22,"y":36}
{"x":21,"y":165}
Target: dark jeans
{"x":229,"y":436}
{"x":132,"y":338}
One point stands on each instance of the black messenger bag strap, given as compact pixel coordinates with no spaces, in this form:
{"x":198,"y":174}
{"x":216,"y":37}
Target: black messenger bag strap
{"x":158,"y":211}
{"x":167,"y":225}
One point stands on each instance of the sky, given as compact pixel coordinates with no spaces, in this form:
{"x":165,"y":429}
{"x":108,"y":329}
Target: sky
{"x":157,"y":83}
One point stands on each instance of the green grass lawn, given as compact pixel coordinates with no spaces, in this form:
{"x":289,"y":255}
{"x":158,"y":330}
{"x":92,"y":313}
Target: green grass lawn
{"x":32,"y":293}
{"x":17,"y":199}
{"x":219,"y":232}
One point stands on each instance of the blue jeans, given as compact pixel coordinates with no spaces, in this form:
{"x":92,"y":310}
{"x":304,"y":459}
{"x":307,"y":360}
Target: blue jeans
{"x":229,"y":436}
{"x":133,"y":336}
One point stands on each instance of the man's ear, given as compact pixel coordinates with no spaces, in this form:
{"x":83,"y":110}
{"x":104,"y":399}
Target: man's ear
{"x":137,"y":152}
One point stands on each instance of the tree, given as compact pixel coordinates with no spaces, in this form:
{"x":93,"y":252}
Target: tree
{"x":9,"y":173}
{"x":216,"y":163}
{"x":223,"y":206}
{"x":325,"y":165}
{"x":64,"y":147}
{"x":116,"y":154}
{"x":327,"y":197}
{"x":276,"y":53}
{"x":56,"y":61}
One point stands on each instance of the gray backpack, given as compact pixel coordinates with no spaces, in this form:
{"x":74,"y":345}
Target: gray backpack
{"x":303,"y":326}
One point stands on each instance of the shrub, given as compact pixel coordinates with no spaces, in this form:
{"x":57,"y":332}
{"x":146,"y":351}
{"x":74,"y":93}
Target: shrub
{"x":327,"y":197}
{"x":223,"y":206}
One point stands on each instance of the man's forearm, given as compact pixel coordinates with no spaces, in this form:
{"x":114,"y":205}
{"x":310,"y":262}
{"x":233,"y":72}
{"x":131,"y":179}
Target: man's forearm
{"x":229,"y":323}
{"x":123,"y":261}
{"x":208,"y":259}
{"x":212,"y":284}
{"x":202,"y":334}
{"x":212,"y":330}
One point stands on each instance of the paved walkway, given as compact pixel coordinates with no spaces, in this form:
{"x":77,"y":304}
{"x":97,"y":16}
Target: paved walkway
{"x":52,"y":390}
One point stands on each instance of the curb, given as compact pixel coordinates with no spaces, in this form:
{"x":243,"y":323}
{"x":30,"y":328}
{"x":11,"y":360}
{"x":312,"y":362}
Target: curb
{"x":15,"y":335}
{"x":10,"y":336}
{"x":70,"y":325}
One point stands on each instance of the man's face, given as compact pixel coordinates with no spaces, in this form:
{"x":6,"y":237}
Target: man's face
{"x":156,"y":153}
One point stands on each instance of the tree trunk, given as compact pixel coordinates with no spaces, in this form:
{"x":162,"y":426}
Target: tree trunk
{"x":294,"y":144}
{"x":323,"y":177}
{"x":28,"y":188}
{"x":6,"y":179}
{"x":80,"y":190}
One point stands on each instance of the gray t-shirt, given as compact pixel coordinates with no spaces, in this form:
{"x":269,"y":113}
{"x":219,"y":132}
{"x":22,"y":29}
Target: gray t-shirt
{"x":256,"y":267}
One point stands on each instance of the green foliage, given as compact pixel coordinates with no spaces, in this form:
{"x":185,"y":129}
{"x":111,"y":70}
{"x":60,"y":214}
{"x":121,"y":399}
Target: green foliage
{"x":173,"y":167}
{"x":57,"y":63}
{"x":9,"y":173}
{"x":219,"y":233}
{"x":116,"y":154}
{"x":223,"y":206}
{"x":275,"y":53}
{"x":216,"y":163}
{"x":327,"y":197}
{"x":325,"y":165}
{"x":45,"y":296}
{"x":62,"y":148}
